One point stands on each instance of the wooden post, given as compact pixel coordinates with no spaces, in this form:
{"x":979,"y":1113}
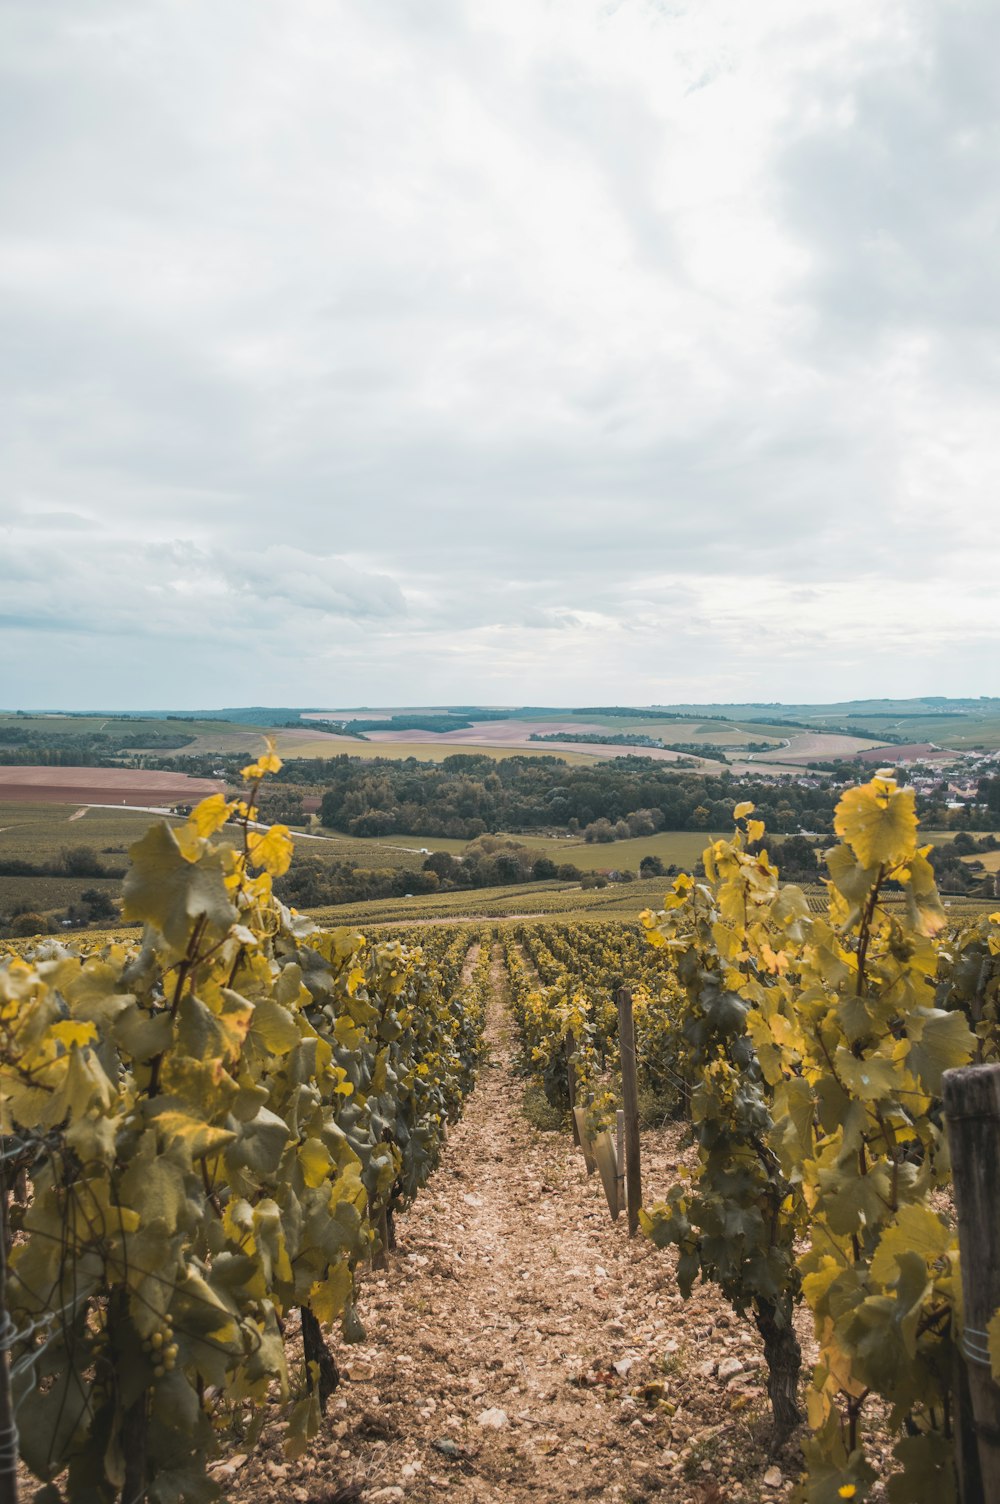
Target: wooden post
{"x":630,"y":1101}
{"x":972,"y":1112}
{"x":571,"y":1086}
{"x":620,"y":1154}
{"x":8,"y":1428}
{"x":379,"y":1254}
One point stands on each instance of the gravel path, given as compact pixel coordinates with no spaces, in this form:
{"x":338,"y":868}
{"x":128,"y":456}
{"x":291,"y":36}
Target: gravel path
{"x":521,"y":1347}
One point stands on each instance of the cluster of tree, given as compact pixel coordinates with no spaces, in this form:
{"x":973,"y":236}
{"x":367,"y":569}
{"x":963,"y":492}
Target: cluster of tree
{"x":796,"y":858}
{"x":311,"y":883}
{"x":25,"y":745}
{"x":639,"y":822}
{"x":445,"y":720}
{"x":988,"y":796}
{"x":92,"y":906}
{"x":639,"y":739}
{"x":955,"y":875}
{"x":73,"y":861}
{"x":488,"y":862}
{"x":493,"y":862}
{"x":611,"y":739}
{"x":981,"y":812}
{"x":279,"y":803}
{"x":468,"y":795}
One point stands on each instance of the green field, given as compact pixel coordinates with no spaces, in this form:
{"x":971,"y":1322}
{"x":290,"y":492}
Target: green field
{"x":203,"y":736}
{"x":627,"y":899}
{"x":436,"y":751}
{"x":45,"y":894}
{"x":679,"y":848}
{"x":38,"y":832}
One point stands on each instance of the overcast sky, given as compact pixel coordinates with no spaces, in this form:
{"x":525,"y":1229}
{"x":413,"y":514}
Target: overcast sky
{"x":533,"y":351}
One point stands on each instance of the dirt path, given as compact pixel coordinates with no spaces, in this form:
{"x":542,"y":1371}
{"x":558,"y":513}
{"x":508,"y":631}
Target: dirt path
{"x":521,"y":1347}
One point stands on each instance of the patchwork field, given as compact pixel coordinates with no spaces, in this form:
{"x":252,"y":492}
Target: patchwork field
{"x":139,"y":788}
{"x":785,"y":748}
{"x":435,"y":748}
{"x":39,"y":831}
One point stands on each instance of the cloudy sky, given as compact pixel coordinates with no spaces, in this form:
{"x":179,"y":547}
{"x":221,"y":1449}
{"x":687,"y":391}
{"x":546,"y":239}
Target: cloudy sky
{"x":546,"y":351}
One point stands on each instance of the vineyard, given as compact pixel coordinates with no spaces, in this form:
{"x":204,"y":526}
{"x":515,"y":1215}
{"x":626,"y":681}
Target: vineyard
{"x":212,"y":1137}
{"x":206,"y":1134}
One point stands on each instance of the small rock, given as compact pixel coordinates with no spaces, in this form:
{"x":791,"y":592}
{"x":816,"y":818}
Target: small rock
{"x":729,"y":1368}
{"x":773,"y":1478}
{"x":449,"y":1448}
{"x":230,"y":1467}
{"x":385,"y":1495}
{"x":600,"y":1273}
{"x":706,"y":1370}
{"x":622,"y":1367}
{"x":492,"y":1420}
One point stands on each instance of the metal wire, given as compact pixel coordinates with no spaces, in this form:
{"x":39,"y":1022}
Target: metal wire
{"x":8,"y":1333}
{"x":975,"y":1346}
{"x":8,"y":1448}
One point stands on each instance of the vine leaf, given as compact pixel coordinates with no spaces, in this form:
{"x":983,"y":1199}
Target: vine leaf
{"x":164,"y":889}
{"x":879,"y":822}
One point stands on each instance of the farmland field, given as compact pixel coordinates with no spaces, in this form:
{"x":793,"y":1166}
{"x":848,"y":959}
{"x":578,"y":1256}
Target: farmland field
{"x":45,"y":894}
{"x":36,"y":832}
{"x":126,"y":786}
{"x":436,"y":748}
{"x":673,"y":847}
{"x":528,"y":899}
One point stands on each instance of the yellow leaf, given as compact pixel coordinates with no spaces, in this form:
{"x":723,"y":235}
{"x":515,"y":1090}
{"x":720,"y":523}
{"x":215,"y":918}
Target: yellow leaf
{"x":69,"y":1033}
{"x":268,"y":762}
{"x":916,"y":1229}
{"x":746,"y":808}
{"x":271,"y":849}
{"x":210,"y":815}
{"x":315,"y":1162}
{"x":328,"y":1297}
{"x":879,"y":822}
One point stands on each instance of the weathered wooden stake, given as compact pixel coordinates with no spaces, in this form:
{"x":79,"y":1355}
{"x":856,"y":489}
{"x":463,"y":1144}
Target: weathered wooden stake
{"x":379,"y":1256}
{"x":630,"y":1101}
{"x":972,"y":1112}
{"x":571,"y":1086}
{"x":620,"y":1154}
{"x":8,"y":1429}
{"x":586,"y":1144}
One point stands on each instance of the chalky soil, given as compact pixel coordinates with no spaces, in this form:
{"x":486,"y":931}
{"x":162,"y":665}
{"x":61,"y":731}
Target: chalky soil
{"x":521,"y":1347}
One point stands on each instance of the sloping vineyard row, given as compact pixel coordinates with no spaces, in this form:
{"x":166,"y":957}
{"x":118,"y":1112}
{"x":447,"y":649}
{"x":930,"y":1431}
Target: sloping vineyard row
{"x":212,"y":1130}
{"x":808,"y":1049}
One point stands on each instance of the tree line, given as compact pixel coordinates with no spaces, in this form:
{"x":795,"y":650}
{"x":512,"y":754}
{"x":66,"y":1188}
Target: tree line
{"x":469,"y":795}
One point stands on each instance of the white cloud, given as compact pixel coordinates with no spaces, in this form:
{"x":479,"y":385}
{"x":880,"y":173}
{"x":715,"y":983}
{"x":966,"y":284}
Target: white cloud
{"x":514,"y":352}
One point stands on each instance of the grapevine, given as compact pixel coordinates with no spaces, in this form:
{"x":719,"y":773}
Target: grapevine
{"x":212,"y":1124}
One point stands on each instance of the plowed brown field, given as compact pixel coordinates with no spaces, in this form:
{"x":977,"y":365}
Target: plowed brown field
{"x":128,"y":786}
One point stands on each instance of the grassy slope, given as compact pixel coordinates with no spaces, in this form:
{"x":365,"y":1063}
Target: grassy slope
{"x":426,"y":751}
